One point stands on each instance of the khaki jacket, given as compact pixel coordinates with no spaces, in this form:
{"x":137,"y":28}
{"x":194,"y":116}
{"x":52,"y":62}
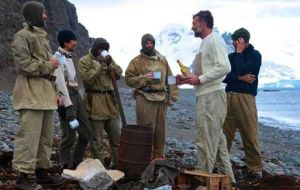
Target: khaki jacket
{"x":136,"y":77}
{"x":31,"y":52}
{"x":94,"y":74}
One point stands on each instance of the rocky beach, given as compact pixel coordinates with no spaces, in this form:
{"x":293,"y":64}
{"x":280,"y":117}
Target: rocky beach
{"x":280,"y":148}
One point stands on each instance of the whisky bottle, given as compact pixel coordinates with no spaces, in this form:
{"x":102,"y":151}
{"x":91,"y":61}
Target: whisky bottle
{"x":185,"y":71}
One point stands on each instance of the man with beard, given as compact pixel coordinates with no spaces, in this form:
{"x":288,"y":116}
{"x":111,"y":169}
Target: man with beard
{"x":241,"y":90}
{"x":35,"y":98}
{"x":96,"y":69}
{"x":211,"y":65}
{"x":72,"y":106}
{"x":148,"y":73}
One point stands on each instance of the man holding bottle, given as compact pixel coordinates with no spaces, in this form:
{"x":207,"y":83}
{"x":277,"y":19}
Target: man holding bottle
{"x":211,"y":65}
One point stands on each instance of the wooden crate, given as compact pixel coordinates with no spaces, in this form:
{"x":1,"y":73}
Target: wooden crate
{"x":187,"y":180}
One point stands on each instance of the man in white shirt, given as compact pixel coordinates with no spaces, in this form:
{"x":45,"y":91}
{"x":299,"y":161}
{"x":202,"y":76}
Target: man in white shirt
{"x":211,"y":65}
{"x":72,"y":107}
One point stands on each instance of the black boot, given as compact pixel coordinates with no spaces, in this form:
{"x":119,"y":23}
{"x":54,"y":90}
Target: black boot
{"x":47,"y":180}
{"x":24,"y":182}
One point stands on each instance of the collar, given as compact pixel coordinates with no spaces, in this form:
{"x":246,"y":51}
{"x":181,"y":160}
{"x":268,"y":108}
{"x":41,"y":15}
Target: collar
{"x":42,"y":31}
{"x":65,"y":52}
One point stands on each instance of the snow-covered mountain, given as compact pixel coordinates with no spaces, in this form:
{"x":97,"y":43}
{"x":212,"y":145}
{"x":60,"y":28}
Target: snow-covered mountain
{"x":178,"y":42}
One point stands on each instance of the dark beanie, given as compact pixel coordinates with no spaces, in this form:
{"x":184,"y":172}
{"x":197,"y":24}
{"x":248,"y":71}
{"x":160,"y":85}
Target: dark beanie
{"x":33,"y":13}
{"x":241,"y":33}
{"x":65,"y":36}
{"x":99,"y":43}
{"x":145,"y":38}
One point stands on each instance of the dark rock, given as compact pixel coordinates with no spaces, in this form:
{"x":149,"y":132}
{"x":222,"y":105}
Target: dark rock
{"x":61,"y":15}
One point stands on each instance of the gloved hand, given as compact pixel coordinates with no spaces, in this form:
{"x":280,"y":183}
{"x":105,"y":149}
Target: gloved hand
{"x":108,"y":60}
{"x":70,"y":113}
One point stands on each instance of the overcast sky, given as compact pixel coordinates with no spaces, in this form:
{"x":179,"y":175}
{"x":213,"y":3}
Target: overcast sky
{"x":273,"y":24}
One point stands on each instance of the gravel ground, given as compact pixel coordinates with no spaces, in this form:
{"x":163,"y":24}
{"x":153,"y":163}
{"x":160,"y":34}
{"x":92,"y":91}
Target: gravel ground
{"x":280,"y":148}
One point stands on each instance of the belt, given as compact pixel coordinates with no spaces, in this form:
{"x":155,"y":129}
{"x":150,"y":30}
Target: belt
{"x":100,"y":91}
{"x":74,"y":88}
{"x":150,"y":90}
{"x":51,"y":78}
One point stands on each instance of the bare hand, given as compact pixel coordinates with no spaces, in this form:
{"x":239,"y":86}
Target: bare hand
{"x":54,"y":62}
{"x":240,"y":45}
{"x":180,"y":79}
{"x":59,"y":101}
{"x":193,"y":80}
{"x":150,"y":75}
{"x":250,"y":78}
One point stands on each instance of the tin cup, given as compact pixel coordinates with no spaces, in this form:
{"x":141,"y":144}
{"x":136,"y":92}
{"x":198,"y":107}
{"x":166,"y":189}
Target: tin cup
{"x":61,"y":59}
{"x":74,"y":123}
{"x":156,"y":74}
{"x":171,"y":79}
{"x":104,"y":53}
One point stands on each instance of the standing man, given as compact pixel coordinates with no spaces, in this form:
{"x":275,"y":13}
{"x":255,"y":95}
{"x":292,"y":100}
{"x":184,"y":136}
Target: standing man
{"x":96,"y":69}
{"x":148,"y":73}
{"x":211,"y":65}
{"x":35,"y":98}
{"x":241,"y":90}
{"x":71,"y":150}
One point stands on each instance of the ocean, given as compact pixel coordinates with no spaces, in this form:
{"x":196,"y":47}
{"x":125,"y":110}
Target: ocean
{"x":279,"y":109}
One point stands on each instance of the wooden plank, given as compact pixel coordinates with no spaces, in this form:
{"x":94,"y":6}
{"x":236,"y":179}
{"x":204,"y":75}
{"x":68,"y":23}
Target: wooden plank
{"x":225,"y":183}
{"x":213,"y":184}
{"x":202,"y":173}
{"x":197,"y":177}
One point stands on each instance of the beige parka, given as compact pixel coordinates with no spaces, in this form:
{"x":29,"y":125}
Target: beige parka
{"x":95,"y":76}
{"x":136,"y":77}
{"x":31,"y":52}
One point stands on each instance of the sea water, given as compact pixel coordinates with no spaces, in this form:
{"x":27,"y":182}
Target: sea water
{"x":275,"y":108}
{"x":279,"y":108}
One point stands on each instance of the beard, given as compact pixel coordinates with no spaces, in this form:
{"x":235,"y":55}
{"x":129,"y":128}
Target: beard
{"x":198,"y":34}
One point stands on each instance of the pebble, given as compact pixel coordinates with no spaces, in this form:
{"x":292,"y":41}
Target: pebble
{"x":180,"y":152}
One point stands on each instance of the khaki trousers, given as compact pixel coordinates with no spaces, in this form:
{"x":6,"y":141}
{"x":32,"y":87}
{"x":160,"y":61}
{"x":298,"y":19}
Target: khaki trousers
{"x":153,"y":114}
{"x":242,"y":115}
{"x":72,"y":149}
{"x":211,"y":141}
{"x":33,"y":141}
{"x":112,"y":128}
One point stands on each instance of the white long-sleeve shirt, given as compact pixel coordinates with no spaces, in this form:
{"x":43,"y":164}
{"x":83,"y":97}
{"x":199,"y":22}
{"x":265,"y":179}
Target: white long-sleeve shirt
{"x":211,"y":64}
{"x":65,"y":76}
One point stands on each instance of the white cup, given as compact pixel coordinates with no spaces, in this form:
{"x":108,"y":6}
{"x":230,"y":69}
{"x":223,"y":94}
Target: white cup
{"x":171,"y":79}
{"x":156,"y":74}
{"x":61,"y":58}
{"x":74,"y":123}
{"x":104,"y":53}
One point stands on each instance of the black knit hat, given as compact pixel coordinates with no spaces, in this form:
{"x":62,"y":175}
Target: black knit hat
{"x":99,"y":43}
{"x":33,"y":13}
{"x":65,"y":36}
{"x":241,"y":33}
